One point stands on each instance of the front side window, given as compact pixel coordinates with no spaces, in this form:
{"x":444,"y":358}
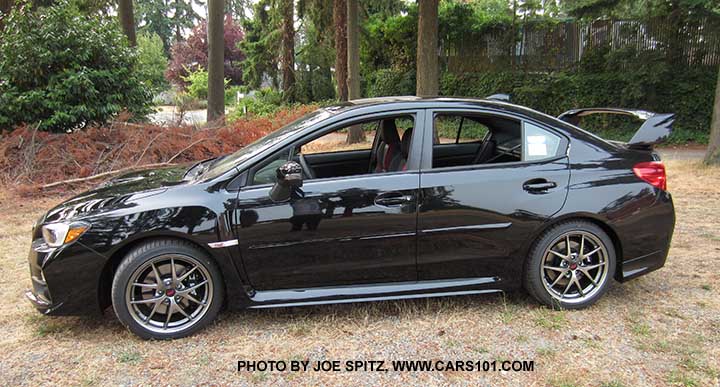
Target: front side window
{"x":358,"y":148}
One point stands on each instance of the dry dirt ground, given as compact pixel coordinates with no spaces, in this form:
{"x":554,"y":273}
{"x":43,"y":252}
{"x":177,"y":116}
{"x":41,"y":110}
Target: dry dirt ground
{"x":661,"y":329}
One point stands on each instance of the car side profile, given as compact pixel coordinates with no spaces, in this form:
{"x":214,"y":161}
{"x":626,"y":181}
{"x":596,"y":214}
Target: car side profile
{"x":443,"y":196}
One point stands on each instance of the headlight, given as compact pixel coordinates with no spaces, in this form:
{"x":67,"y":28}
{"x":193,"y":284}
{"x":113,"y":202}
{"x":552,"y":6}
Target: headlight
{"x":58,"y":234}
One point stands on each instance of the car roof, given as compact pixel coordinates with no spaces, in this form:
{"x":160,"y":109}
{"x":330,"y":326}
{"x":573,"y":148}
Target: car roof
{"x":440,"y":102}
{"x":411,"y":102}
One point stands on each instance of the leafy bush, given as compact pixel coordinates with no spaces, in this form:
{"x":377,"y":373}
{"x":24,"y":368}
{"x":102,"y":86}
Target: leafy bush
{"x":152,"y":62}
{"x":65,"y":69}
{"x":390,"y":82}
{"x":265,"y":102}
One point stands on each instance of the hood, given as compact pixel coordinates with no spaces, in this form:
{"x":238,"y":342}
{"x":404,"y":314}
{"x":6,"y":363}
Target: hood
{"x":117,"y":193}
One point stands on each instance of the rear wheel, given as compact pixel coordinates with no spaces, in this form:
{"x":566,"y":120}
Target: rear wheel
{"x":570,"y":265}
{"x":166,"y":289}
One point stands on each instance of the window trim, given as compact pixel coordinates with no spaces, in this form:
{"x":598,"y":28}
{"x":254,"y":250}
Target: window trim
{"x":426,"y":166}
{"x":414,"y":162}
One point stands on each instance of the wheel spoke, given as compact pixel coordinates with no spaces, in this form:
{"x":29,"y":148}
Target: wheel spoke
{"x":564,"y":257}
{"x":577,"y":284}
{"x":186,"y":274}
{"x":154,"y":309}
{"x":582,"y":246}
{"x":147,"y":301}
{"x":569,"y":284}
{"x":183,"y":312}
{"x":173,"y":271}
{"x":584,"y":270}
{"x":567,"y":244}
{"x":158,"y":280}
{"x":170,"y":312}
{"x":555,"y":268}
{"x":558,"y":278}
{"x":193,"y":299}
{"x":144,"y":285}
{"x":592,"y":252}
{"x":191,"y":288}
{"x":593,"y":267}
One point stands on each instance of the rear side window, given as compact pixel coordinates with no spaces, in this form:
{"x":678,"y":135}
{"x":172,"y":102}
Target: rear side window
{"x":538,"y":143}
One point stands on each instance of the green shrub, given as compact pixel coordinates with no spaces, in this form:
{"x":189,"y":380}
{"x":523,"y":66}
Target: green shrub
{"x":265,"y":102}
{"x":152,"y":62}
{"x":65,"y":69}
{"x":198,"y":83}
{"x":390,"y":82}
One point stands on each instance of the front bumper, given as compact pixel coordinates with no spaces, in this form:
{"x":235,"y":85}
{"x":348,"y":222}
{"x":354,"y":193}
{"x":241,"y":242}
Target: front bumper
{"x":65,"y":279}
{"x":42,"y":305}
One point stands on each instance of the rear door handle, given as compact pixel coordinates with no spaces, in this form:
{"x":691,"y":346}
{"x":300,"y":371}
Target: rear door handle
{"x":538,"y":185}
{"x":392,"y":199}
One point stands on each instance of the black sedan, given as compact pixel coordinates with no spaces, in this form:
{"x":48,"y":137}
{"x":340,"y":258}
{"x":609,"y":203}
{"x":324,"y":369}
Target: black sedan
{"x":440,"y":197}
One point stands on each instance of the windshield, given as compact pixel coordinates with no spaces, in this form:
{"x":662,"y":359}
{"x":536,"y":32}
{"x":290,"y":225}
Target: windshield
{"x":224,"y":164}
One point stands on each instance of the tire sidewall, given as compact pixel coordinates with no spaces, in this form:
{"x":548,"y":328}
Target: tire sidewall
{"x":533,"y":273}
{"x":138,"y":257}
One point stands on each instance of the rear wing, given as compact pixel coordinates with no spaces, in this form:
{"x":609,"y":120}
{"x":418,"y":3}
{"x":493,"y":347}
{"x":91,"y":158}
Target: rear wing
{"x":656,"y":128}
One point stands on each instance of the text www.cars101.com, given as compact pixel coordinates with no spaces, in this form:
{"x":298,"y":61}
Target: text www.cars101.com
{"x":383,"y":366}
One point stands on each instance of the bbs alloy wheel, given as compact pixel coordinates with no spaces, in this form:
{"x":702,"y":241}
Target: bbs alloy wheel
{"x":570,"y":265}
{"x":166,"y":289}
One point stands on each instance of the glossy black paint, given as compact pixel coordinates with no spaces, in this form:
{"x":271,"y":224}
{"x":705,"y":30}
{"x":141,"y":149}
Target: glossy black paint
{"x":419,"y":232}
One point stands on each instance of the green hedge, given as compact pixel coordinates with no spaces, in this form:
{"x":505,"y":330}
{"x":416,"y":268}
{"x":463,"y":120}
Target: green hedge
{"x":686,"y":92}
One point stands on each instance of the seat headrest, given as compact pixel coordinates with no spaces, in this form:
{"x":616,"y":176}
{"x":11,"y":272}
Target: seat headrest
{"x":389,"y":132}
{"x":405,"y":143}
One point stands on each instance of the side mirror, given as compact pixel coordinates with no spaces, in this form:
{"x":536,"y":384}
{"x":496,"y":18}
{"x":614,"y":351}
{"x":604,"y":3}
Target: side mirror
{"x":289,"y":177}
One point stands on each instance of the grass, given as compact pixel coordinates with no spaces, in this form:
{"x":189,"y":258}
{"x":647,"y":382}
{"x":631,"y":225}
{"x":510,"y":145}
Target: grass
{"x":550,"y":319}
{"x":129,"y":356}
{"x":658,"y":330}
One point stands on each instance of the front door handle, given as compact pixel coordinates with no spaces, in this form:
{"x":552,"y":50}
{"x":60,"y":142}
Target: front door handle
{"x":392,"y":199}
{"x":538,"y":185}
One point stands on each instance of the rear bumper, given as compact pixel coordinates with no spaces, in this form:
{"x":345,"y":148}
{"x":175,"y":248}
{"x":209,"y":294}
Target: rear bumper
{"x":646,"y":249}
{"x":642,"y":265}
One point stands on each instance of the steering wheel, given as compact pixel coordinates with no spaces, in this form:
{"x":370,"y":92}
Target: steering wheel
{"x":306,"y":167}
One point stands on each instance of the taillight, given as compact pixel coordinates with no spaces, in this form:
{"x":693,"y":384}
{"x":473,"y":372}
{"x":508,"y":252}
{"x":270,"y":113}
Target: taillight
{"x":652,"y":172}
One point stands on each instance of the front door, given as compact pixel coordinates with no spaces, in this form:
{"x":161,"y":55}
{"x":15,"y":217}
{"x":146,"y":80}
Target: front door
{"x":338,"y":230}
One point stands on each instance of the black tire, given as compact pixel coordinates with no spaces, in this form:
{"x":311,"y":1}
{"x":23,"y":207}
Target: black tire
{"x":535,"y":276}
{"x":140,"y":257}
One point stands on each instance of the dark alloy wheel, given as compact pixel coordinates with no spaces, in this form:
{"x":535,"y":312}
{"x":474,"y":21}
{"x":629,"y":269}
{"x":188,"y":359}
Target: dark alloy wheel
{"x":570,"y":265}
{"x":166,"y":289}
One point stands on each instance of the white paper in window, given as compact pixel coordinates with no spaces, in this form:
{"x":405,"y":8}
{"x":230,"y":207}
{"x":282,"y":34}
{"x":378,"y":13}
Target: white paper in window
{"x":536,"y":146}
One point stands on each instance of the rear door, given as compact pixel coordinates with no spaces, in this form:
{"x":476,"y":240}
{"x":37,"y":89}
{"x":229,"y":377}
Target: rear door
{"x":474,"y":218}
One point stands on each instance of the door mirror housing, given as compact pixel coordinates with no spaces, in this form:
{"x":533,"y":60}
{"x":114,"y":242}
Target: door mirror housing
{"x":289,"y":178}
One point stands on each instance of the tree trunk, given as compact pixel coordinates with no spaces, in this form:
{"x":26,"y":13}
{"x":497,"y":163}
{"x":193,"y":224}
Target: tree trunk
{"x":355,"y":134}
{"x":341,"y":55}
{"x":216,"y":67}
{"x":127,"y":20}
{"x":287,"y":58}
{"x":713,"y":152}
{"x":427,"y":49}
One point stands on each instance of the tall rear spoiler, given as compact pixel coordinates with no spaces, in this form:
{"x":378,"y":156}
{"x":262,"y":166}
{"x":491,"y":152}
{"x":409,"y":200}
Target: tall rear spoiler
{"x":656,"y":128}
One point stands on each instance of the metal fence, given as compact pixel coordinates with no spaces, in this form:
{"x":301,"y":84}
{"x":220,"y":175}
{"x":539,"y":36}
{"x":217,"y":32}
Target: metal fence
{"x":543,"y":47}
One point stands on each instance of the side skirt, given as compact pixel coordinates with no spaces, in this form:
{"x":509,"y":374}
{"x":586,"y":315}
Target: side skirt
{"x":373,"y":292}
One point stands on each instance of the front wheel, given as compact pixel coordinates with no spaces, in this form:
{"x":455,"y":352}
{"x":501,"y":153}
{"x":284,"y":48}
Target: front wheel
{"x":571,"y":265}
{"x":166,"y":289}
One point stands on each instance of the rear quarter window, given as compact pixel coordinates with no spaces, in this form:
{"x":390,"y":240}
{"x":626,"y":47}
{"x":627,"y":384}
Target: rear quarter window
{"x":538,"y":143}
